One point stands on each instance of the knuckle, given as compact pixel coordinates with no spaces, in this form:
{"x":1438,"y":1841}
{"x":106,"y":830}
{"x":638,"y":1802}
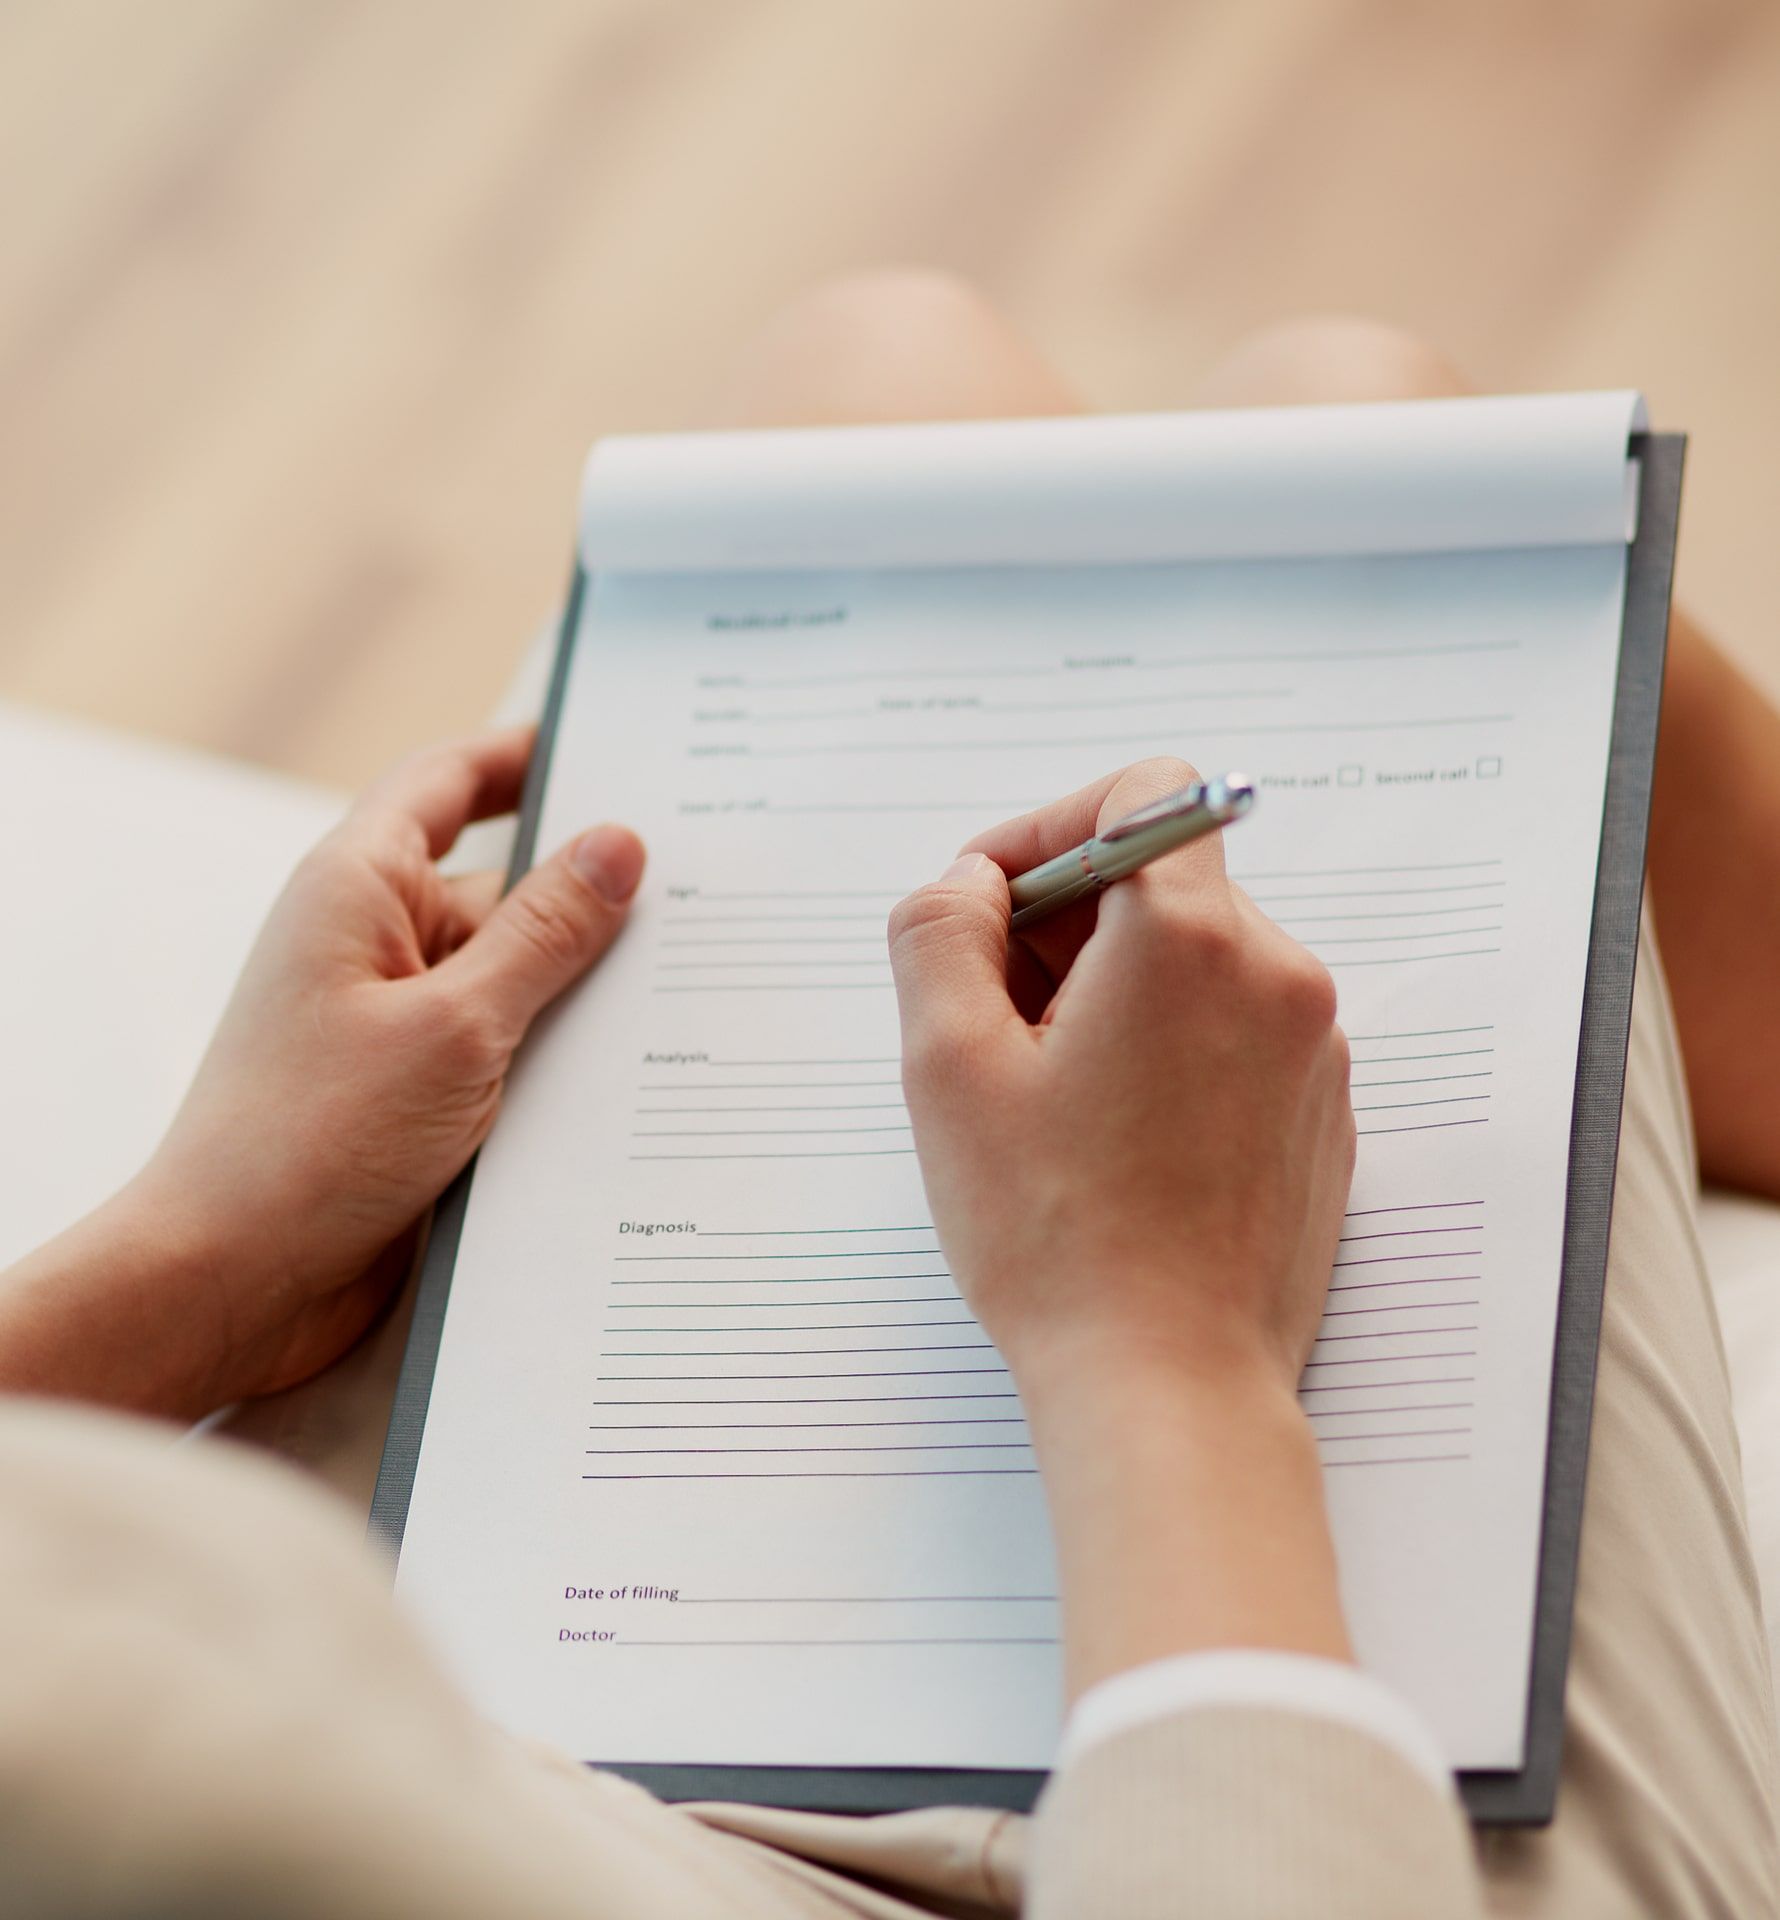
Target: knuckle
{"x":547,"y":925}
{"x":1310,"y":991}
{"x":441,"y":759}
{"x":1211,"y":943}
{"x":940,"y":1059}
{"x":1301,"y":986}
{"x":1341,"y":1057}
{"x":466,"y":1036}
{"x":317,"y":867}
{"x":925,"y":916}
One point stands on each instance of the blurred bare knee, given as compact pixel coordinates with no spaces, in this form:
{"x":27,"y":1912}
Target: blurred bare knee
{"x":904,"y":343}
{"x":1329,"y":358}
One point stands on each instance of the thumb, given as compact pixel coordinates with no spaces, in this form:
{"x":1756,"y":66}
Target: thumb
{"x":550,"y":928}
{"x":948,"y":952}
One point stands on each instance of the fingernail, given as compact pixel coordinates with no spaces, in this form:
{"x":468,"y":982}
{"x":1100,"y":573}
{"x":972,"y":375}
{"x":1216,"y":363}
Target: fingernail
{"x":610,"y":860}
{"x":967,"y":866}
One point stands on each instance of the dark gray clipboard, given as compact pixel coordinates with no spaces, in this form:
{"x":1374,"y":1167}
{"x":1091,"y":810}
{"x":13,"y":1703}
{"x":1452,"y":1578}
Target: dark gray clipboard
{"x":1521,"y":1798}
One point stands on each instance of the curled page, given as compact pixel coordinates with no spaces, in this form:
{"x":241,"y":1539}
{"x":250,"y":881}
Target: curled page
{"x":1423,"y":476}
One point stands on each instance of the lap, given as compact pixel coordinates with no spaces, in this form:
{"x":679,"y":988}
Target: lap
{"x":1666,"y":1800}
{"x":1666,"y":1797}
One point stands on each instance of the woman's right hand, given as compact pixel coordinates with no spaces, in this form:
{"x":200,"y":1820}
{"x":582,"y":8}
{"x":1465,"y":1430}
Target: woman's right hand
{"x":1134,"y":1123}
{"x":1136,"y":1137}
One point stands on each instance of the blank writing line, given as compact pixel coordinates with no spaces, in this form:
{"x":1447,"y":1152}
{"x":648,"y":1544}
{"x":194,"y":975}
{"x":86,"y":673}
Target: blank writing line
{"x":865,"y":674}
{"x":792,"y":919}
{"x":1354,"y":940}
{"x":769,"y":1306}
{"x":868,"y":1599}
{"x":839,"y":940}
{"x":1169,"y":663}
{"x":1348,"y":873}
{"x":1407,"y":1233}
{"x":1386,"y":893}
{"x":1402,"y":1333}
{"x":784,"y":1426}
{"x":1414,"y":959}
{"x":1413,"y":1406}
{"x":1434,"y":1253}
{"x":785,"y":986}
{"x":795,"y":1233}
{"x":851,"y":1153}
{"x":1424,"y":1126}
{"x":794,"y":1280}
{"x":1399,"y":1460}
{"x":1387,"y":1386}
{"x":1402,"y":1059}
{"x":1194,"y":697}
{"x":1420,"y":1280}
{"x":1381,"y":1106}
{"x":1422,"y":1033}
{"x":826,"y":1400}
{"x":1424,"y":1206}
{"x":798,"y":1353}
{"x":1024,"y":805}
{"x":904,"y":1373}
{"x":1391,"y":1359}
{"x":1401,"y":1433}
{"x":1216,"y":729}
{"x":881,"y":960}
{"x":1360,"y":1086}
{"x":1305,"y":919}
{"x":778,"y":1086}
{"x":997,"y":1640}
{"x":1423,"y":1306}
{"x":778,"y":1133}
{"x":817,"y":1473}
{"x":897,"y":1446}
{"x":1345,"y":653}
{"x":809,"y":1326}
{"x":832,"y":1253}
{"x":864,"y":1106}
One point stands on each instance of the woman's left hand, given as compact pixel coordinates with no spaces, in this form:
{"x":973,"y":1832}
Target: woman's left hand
{"x":359,"y":1065}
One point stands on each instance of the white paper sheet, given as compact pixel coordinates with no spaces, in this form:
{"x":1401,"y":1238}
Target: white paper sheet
{"x":717,"y":1466}
{"x":1420,"y":476}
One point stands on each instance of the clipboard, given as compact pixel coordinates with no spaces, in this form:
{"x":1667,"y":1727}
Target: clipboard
{"x":1526,"y":1796}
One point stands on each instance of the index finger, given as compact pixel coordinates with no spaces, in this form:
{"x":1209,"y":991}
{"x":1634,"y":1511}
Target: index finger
{"x":442,"y":789}
{"x":1020,"y":844}
{"x":1029,"y":839}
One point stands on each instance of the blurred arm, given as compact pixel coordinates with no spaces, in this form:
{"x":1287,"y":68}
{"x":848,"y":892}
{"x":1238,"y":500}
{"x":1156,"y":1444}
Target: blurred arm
{"x":1715,"y":894}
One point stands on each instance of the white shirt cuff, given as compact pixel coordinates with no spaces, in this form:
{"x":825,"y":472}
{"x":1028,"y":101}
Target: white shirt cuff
{"x":1249,"y":1677}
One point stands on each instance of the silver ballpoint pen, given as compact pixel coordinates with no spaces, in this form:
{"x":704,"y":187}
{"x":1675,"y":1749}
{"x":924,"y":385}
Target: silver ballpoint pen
{"x":1129,"y":844}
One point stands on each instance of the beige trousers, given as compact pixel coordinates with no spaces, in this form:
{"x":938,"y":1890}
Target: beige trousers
{"x":207,"y":1704}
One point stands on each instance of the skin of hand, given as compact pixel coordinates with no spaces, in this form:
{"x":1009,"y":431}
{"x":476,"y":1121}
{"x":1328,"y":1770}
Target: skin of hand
{"x":359,"y":1065}
{"x":1136,"y":1136}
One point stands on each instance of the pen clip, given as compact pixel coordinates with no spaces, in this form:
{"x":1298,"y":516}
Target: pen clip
{"x":1171,"y":806}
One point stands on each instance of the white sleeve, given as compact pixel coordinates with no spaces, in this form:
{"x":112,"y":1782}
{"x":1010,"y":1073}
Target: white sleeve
{"x":1250,"y":1677}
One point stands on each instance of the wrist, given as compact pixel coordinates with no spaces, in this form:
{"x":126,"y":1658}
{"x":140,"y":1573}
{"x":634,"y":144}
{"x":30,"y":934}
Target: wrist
{"x":117,"y":1310}
{"x":1209,"y":1353}
{"x":1148,"y":1413}
{"x":1186,"y":1498}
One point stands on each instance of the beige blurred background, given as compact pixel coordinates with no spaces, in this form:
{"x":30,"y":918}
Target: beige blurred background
{"x":309,"y":309}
